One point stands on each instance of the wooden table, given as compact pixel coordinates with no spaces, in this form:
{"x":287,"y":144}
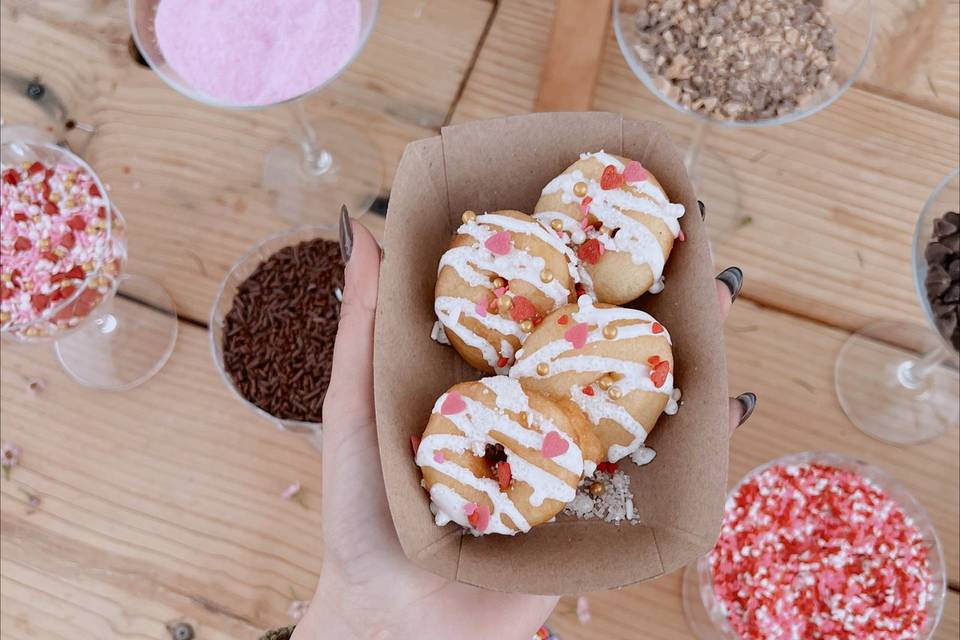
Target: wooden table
{"x":163,"y":503}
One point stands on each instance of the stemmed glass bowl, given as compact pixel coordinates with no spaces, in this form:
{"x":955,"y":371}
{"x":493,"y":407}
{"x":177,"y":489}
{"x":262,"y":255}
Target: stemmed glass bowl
{"x":898,"y":381}
{"x":223,"y":302}
{"x":322,"y":164}
{"x":853,"y":22}
{"x":116,"y":330}
{"x":702,"y":609}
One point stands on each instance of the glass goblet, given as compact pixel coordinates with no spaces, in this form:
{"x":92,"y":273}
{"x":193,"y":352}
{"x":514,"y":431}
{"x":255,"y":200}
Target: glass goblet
{"x":322,"y":164}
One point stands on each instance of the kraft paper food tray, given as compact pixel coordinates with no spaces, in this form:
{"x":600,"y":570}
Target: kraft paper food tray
{"x":504,"y":164}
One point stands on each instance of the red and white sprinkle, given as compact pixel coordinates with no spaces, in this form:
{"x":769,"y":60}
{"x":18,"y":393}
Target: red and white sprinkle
{"x":814,"y":551}
{"x":54,"y":239}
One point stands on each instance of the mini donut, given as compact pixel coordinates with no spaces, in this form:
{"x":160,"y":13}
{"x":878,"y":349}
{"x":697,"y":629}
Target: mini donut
{"x":616,"y":217}
{"x":615,"y":364}
{"x":501,"y":275}
{"x":498,"y":459}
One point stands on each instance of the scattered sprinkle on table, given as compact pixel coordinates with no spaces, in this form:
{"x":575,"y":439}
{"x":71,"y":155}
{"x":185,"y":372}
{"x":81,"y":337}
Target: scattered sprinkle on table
{"x":814,"y":551}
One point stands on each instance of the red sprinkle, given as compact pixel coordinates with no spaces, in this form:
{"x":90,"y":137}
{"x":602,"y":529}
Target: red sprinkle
{"x":94,"y":191}
{"x":502,"y":362}
{"x":50,"y":208}
{"x":36,"y":167}
{"x":564,"y":319}
{"x":523,"y":309}
{"x":653,"y":361}
{"x":590,"y":251}
{"x":39,"y":302}
{"x":22,"y":244}
{"x":588,"y":391}
{"x":77,"y":223}
{"x":656,"y":327}
{"x":659,"y":373}
{"x":607,"y":467}
{"x":504,"y":474}
{"x":610,"y":178}
{"x":11,"y":178}
{"x":813,"y":551}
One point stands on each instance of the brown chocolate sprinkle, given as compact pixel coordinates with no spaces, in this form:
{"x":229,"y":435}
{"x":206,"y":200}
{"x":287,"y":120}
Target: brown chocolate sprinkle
{"x":278,"y":337}
{"x":943,"y":275}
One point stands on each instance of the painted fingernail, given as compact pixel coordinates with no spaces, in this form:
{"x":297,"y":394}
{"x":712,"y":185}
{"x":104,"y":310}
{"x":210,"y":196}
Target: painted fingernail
{"x":703,"y":209}
{"x":748,"y":402}
{"x":732,"y":277}
{"x":346,"y":235}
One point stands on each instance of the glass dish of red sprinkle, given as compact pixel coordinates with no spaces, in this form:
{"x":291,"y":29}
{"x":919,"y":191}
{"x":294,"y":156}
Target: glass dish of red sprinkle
{"x":819,"y":545}
{"x":62,"y":244}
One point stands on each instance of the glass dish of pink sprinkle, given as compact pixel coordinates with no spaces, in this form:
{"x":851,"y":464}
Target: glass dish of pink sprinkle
{"x":819,"y":545}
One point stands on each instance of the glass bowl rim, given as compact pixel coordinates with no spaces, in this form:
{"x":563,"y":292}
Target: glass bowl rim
{"x":70,"y":156}
{"x":886,"y":481}
{"x":216,"y":350}
{"x":208,"y":100}
{"x":919,"y":261}
{"x":793,"y":116}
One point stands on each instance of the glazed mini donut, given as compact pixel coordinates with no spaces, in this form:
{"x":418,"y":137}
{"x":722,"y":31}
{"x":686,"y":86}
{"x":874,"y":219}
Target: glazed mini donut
{"x":615,"y":364}
{"x":498,"y":459}
{"x":501,"y":275}
{"x":617,"y":218}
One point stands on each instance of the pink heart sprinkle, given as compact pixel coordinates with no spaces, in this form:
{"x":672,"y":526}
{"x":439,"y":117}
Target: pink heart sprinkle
{"x":469,"y":508}
{"x":499,"y":243}
{"x":554,"y":445}
{"x":453,"y":405}
{"x":438,"y":457}
{"x":481,"y":308}
{"x":585,"y":222}
{"x":482,"y":518}
{"x":499,"y":291}
{"x":577,"y":335}
{"x":634,"y":172}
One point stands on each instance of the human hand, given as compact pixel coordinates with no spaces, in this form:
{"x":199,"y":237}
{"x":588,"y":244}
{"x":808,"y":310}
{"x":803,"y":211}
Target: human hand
{"x":368,"y":588}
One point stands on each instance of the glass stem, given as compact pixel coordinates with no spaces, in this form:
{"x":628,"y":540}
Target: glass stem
{"x":316,"y":160}
{"x":912,"y":373}
{"x":692,"y":157}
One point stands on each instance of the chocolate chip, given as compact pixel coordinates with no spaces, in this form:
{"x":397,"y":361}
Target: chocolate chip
{"x":943,"y":227}
{"x":952,"y":294}
{"x":936,"y":253}
{"x":937,"y":281}
{"x":942,"y":283}
{"x":952,"y":242}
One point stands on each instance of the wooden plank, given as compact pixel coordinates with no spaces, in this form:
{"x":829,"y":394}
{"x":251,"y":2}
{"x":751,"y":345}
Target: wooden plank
{"x":163,"y":503}
{"x":819,"y":214}
{"x":577,"y":41}
{"x":187,"y":176}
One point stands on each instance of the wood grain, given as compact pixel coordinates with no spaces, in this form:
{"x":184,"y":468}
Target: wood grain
{"x":819,"y":214}
{"x":574,"y":55}
{"x":163,"y":503}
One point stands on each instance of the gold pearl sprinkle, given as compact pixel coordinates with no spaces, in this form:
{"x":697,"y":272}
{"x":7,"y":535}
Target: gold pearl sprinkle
{"x":596,"y":489}
{"x":499,"y":282}
{"x":27,"y":286}
{"x":60,"y":251}
{"x":615,"y":393}
{"x":32,"y":332}
{"x":605,"y":382}
{"x":526,"y":326}
{"x":6,"y":277}
{"x":609,"y":332}
{"x":580,"y":189}
{"x":24,"y":198}
{"x":504,"y":303}
{"x":44,"y":243}
{"x":88,"y":266}
{"x":543,"y":369}
{"x":468,"y":216}
{"x":54,"y":197}
{"x":523,"y":418}
{"x":546,"y":276}
{"x":4,"y":316}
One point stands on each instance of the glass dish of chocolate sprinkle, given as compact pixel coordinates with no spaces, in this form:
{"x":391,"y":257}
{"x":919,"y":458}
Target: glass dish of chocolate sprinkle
{"x":274,"y":323}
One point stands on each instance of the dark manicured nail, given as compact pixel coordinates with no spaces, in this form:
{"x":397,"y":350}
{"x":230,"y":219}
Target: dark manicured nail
{"x":346,"y":235}
{"x":748,"y":402}
{"x":703,"y":209}
{"x":732,"y":277}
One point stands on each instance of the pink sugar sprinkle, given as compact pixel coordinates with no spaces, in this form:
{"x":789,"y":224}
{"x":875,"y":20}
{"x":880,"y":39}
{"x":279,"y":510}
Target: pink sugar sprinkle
{"x":257,"y":52}
{"x":812,"y":551}
{"x":53,"y":234}
{"x":481,"y":308}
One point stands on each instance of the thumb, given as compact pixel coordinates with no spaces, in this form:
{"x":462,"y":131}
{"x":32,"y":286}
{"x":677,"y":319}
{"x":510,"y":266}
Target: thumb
{"x":349,"y":400}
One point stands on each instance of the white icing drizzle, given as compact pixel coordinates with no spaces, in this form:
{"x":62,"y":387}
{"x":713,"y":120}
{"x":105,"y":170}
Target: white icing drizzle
{"x":437,"y":334}
{"x":533,"y":228}
{"x":475,"y":424}
{"x":609,"y":207}
{"x":562,"y":357}
{"x":673,"y":404}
